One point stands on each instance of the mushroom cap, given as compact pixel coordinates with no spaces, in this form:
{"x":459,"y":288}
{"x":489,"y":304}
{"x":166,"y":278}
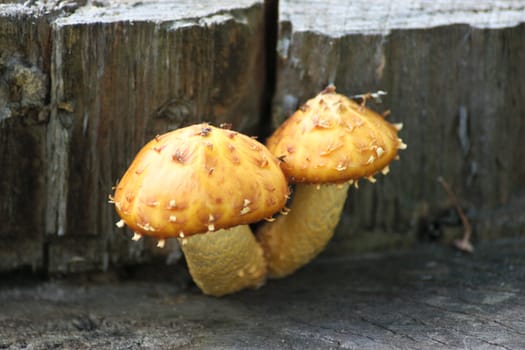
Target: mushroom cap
{"x":332,"y":139}
{"x":198,"y":179}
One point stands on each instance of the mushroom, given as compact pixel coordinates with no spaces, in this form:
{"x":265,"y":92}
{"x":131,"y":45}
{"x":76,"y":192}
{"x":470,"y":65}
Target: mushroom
{"x":204,"y":185}
{"x":326,"y":145}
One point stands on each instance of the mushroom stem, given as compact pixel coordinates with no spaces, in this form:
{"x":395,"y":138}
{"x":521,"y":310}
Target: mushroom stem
{"x":293,"y":240}
{"x":225,"y":261}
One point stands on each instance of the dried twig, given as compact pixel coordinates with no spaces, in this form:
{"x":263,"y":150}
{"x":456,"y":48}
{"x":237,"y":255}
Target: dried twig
{"x":464,"y":243}
{"x":374,"y":96}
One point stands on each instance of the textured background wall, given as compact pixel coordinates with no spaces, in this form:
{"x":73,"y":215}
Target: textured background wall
{"x":112,"y":76}
{"x":454,"y":76}
{"x":84,"y":85}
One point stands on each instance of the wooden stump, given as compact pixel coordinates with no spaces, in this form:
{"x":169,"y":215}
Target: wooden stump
{"x":117,"y":74}
{"x":454,"y":76}
{"x":24,"y":112}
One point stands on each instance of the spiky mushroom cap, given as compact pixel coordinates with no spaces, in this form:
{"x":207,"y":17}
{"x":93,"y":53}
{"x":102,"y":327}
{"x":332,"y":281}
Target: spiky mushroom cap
{"x":332,"y":139}
{"x":198,"y":179}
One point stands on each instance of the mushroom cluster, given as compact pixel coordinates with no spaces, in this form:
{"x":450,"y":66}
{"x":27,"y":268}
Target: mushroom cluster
{"x":203,"y":185}
{"x":328,"y":144}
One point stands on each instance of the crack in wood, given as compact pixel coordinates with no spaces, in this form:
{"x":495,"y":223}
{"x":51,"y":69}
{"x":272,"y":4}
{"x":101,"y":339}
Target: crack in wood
{"x":425,"y":324}
{"x":479,"y":317}
{"x":495,"y":344}
{"x":386,"y":328}
{"x":338,"y":331}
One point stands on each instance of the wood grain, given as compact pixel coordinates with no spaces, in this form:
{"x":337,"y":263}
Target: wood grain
{"x":84,"y":84}
{"x":453,"y":74}
{"x":117,"y":74}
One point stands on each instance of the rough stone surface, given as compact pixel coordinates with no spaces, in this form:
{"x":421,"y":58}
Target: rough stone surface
{"x":429,"y":297}
{"x":453,"y":72}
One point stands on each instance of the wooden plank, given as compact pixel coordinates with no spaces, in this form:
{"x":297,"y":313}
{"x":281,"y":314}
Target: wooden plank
{"x":453,"y":72}
{"x":125,"y":72}
{"x":24,"y":96}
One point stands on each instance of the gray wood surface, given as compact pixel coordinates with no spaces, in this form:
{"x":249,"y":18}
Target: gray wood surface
{"x":454,"y":75}
{"x":431,"y":297}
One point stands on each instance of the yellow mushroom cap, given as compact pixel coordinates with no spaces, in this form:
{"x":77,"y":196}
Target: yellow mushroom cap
{"x":332,"y":139}
{"x":197,"y":179}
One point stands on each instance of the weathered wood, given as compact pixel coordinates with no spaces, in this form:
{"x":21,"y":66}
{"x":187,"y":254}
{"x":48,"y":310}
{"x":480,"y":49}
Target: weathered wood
{"x":454,"y":76}
{"x":84,"y":84}
{"x":116,"y":73}
{"x":24,"y":96}
{"x":125,"y":73}
{"x":426,"y":298}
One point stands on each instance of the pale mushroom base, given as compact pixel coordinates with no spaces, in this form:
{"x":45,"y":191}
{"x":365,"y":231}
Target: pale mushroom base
{"x":296,"y":238}
{"x":225,"y":261}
